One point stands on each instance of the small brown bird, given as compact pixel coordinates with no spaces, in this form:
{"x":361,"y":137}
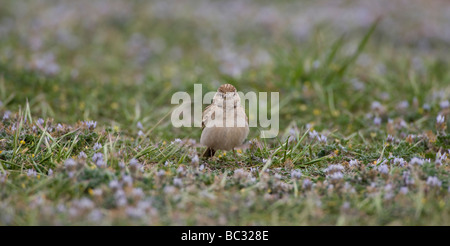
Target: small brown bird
{"x":224,"y":122}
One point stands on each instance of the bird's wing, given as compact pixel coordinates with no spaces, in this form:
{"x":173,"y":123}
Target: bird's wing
{"x":207,"y":115}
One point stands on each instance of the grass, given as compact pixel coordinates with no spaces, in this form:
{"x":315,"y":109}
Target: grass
{"x":373,"y":93}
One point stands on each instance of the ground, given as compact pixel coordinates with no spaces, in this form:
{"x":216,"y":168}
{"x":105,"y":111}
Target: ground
{"x":85,"y":107}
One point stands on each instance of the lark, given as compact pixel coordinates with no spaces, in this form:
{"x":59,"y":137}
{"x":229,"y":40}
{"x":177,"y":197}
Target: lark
{"x":224,"y":122}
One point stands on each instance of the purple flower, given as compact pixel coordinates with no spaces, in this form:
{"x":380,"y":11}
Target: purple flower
{"x":40,"y":121}
{"x":383,"y":169}
{"x":334,"y":168}
{"x":97,"y":146}
{"x":416,"y":161}
{"x":296,"y":174}
{"x":433,"y":181}
{"x":82,"y":155}
{"x":177,"y":182}
{"x":377,"y":121}
{"x":90,"y":124}
{"x":444,"y":104}
{"x":404,"y":190}
{"x":139,"y":125}
{"x":31,"y":173}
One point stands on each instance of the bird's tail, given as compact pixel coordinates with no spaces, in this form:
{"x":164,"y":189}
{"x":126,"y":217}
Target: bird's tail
{"x":209,"y":152}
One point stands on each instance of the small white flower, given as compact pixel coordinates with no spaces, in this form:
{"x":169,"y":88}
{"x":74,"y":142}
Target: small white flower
{"x":322,"y":138}
{"x":313,"y":134}
{"x":440,"y":119}
{"x":353,"y":163}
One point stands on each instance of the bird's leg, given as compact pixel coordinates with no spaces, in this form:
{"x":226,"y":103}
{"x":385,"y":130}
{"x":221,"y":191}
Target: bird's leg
{"x":234,"y":153}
